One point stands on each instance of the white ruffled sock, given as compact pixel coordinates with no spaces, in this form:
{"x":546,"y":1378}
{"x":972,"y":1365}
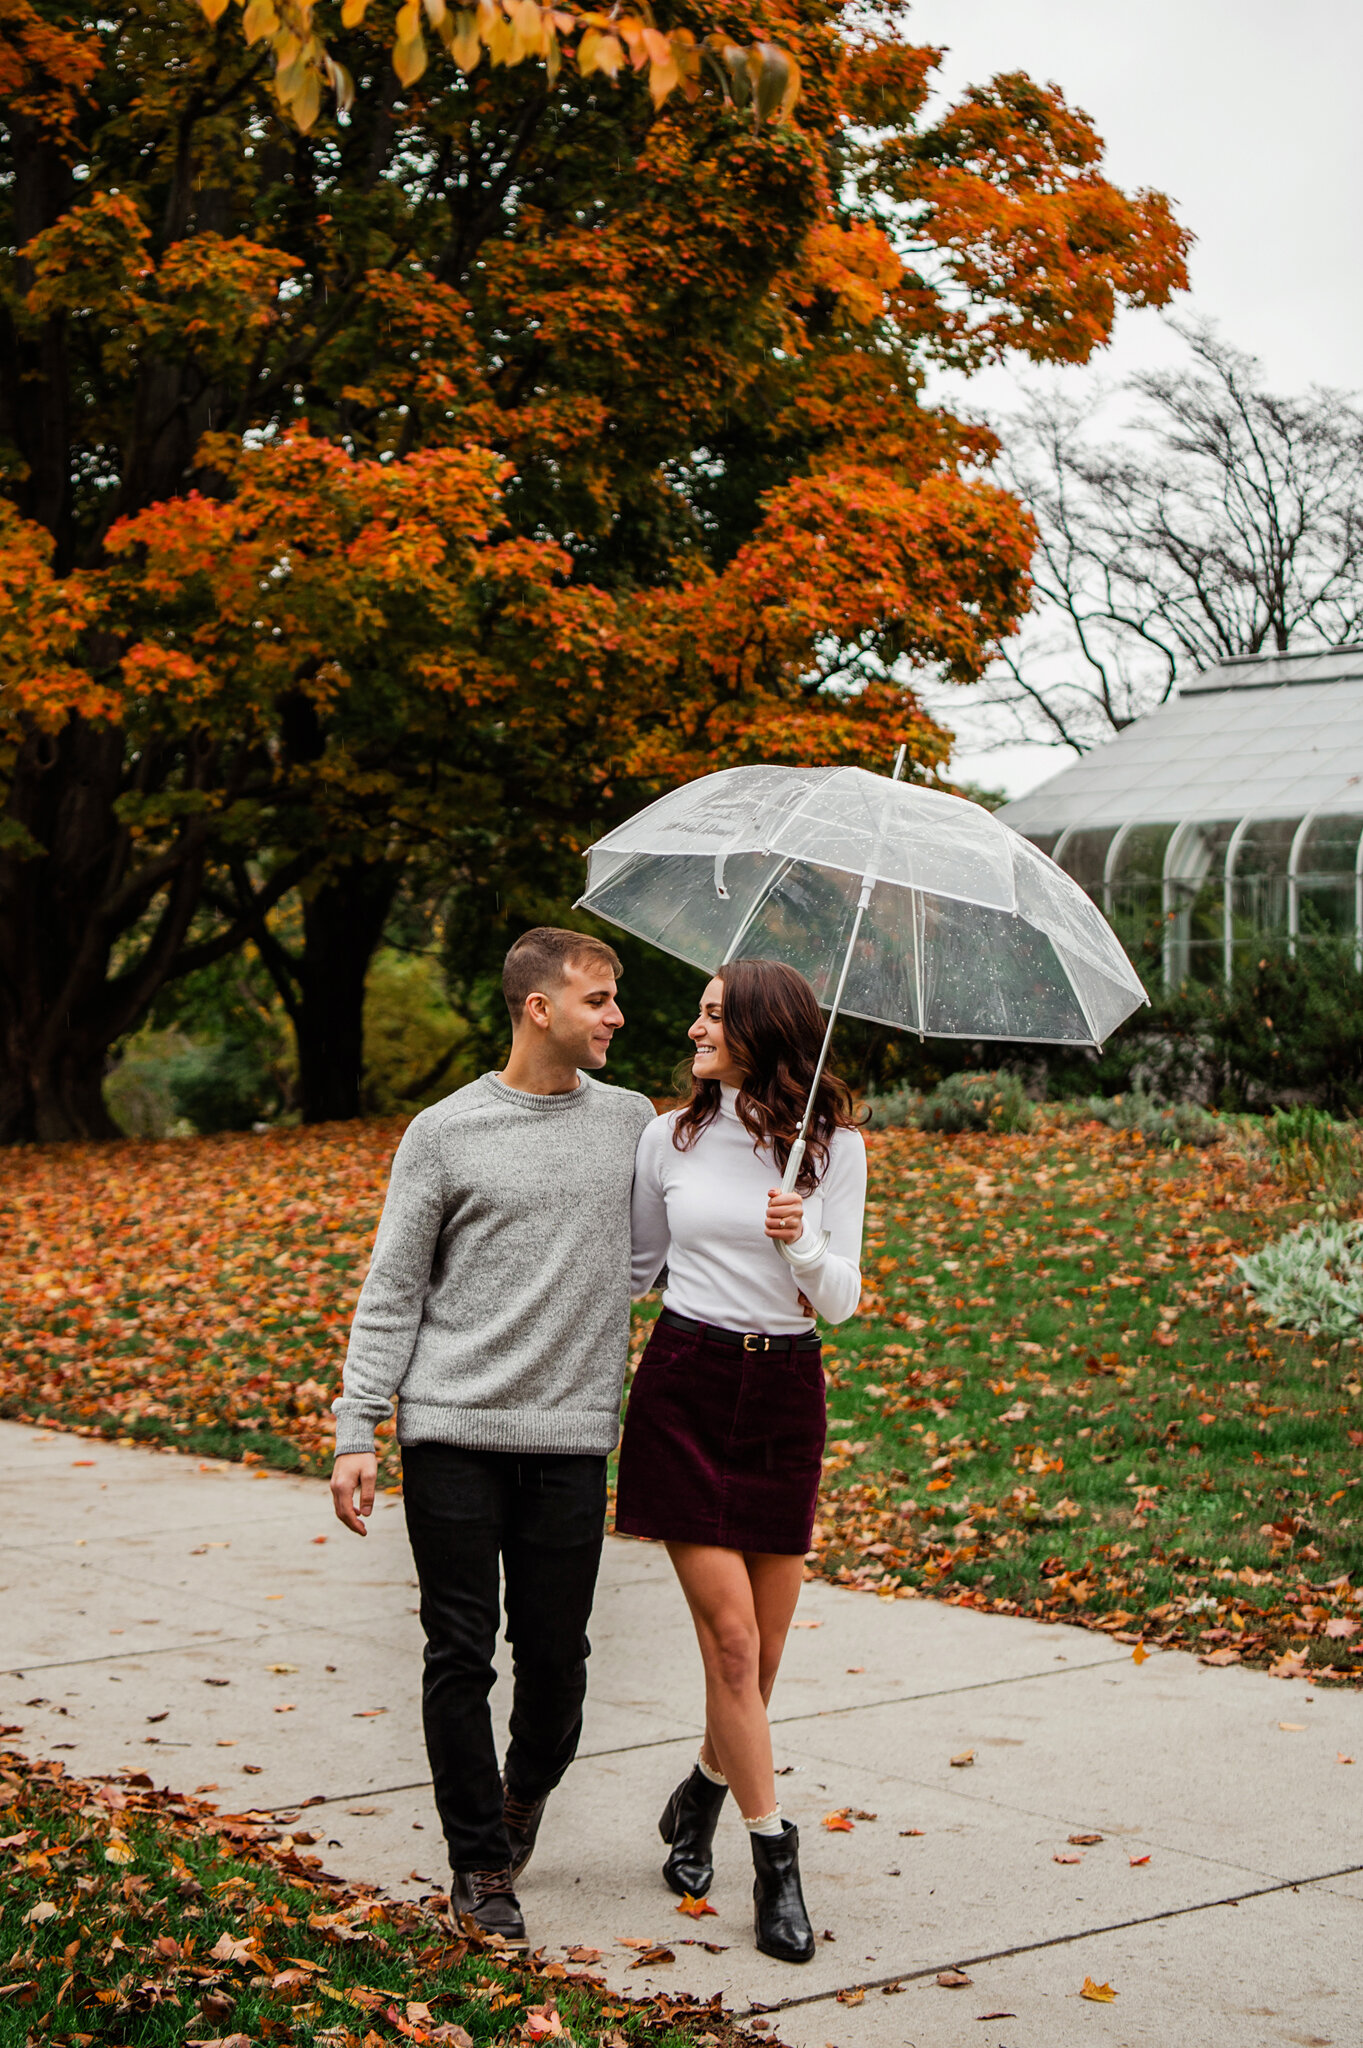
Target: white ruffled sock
{"x":715,"y":1777}
{"x":765,"y":1823}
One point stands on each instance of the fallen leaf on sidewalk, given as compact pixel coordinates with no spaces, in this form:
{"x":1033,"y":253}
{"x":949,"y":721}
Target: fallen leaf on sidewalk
{"x":1220,"y":1658}
{"x":996,"y":2015}
{"x":855,"y":1670}
{"x":952,"y":1980}
{"x":910,"y":1831}
{"x":153,"y":1718}
{"x":850,"y":1996}
{"x":838,"y":1823}
{"x":963,"y":1760}
{"x":634,"y":1941}
{"x":1340,"y":1757}
{"x":1101,"y":1994}
{"x":889,"y":1990}
{"x":1083,"y":1841}
{"x":282,"y":1670}
{"x":694,"y":1908}
{"x":288,"y":1708}
{"x":368,"y":1713}
{"x":1140,"y":1654}
{"x":660,"y":1954}
{"x":361,"y":1812}
{"x":1293,"y":1727}
{"x":1136,"y":1861}
{"x":583,"y":1955}
{"x":1067,"y":1856}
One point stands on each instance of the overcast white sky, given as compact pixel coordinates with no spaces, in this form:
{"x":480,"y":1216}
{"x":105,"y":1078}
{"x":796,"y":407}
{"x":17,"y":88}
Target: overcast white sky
{"x":1246,"y":112}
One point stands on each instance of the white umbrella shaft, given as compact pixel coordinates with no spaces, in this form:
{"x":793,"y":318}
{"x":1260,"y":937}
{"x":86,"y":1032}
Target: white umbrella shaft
{"x":797,"y":1150}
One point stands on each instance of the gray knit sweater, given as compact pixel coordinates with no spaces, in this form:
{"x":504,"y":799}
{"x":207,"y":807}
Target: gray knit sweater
{"x":496,"y":1307}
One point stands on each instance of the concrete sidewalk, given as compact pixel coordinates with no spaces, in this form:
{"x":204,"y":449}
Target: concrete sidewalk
{"x":186,"y":1619}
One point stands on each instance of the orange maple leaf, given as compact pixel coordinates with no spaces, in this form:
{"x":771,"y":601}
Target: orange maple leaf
{"x":695,"y":1909}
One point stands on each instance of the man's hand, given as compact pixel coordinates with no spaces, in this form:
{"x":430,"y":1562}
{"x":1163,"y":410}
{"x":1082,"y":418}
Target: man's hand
{"x":353,"y":1479}
{"x":785,"y":1216}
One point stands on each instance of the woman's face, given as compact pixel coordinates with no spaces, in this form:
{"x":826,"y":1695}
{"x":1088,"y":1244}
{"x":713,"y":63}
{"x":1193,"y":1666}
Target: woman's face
{"x":712,"y":1060}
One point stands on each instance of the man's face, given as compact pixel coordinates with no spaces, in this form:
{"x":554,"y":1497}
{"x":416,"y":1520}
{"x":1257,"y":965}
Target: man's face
{"x":584,"y":1015}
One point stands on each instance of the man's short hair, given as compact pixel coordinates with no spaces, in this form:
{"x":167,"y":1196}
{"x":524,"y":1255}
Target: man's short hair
{"x":540,"y":960}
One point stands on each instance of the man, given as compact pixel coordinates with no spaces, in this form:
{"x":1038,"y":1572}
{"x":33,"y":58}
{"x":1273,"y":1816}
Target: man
{"x":497,"y":1310}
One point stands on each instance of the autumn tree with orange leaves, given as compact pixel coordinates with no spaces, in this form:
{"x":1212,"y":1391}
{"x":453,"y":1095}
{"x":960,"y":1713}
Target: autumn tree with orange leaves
{"x":414,"y":487}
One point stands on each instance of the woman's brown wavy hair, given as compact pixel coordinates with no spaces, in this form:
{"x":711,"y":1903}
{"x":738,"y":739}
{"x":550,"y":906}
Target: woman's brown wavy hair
{"x":774,"y":1031}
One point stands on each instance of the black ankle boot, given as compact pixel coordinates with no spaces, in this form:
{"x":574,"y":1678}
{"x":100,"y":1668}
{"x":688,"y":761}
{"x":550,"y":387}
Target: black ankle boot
{"x":688,"y":1823}
{"x":780,"y":1921}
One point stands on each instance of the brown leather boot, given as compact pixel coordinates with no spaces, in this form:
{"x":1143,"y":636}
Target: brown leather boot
{"x":488,"y":1899}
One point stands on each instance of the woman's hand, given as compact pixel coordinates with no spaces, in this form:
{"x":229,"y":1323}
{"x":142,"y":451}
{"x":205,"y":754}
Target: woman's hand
{"x":785,"y":1216}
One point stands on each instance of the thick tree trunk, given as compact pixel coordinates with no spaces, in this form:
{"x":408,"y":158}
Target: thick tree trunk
{"x":342,"y":925}
{"x":55,"y":864}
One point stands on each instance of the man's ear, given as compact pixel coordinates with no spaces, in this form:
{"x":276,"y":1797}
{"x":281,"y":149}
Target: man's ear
{"x":537,"y":1011}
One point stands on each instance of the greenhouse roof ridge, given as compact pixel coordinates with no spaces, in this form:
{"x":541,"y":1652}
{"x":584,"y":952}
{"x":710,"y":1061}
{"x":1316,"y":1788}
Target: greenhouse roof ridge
{"x":1214,"y":754}
{"x":1277,"y":671}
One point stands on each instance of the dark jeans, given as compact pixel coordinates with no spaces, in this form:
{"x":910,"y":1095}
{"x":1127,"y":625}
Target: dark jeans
{"x":544,"y":1517}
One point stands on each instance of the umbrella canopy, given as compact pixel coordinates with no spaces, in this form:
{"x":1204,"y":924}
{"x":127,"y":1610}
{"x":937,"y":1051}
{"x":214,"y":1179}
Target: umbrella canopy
{"x":942,"y":920}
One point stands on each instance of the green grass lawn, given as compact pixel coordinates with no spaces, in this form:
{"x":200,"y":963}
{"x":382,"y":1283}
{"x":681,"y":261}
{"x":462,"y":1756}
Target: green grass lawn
{"x":143,"y":1919}
{"x":1056,"y":1400}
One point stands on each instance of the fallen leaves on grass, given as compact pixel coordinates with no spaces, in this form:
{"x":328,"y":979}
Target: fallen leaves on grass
{"x":222,"y":1922}
{"x":1015,"y":1288}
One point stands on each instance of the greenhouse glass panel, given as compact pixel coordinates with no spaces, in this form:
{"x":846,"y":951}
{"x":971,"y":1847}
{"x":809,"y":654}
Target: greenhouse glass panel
{"x":1194,"y":901}
{"x":1084,"y":855}
{"x":1135,"y":885}
{"x":1258,"y":881}
{"x":1326,"y":878}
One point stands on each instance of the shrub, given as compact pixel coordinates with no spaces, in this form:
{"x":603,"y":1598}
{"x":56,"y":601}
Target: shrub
{"x":977,"y":1102}
{"x":1173,"y":1123}
{"x":1311,"y":1150}
{"x":898,"y":1107}
{"x":1311,"y":1279}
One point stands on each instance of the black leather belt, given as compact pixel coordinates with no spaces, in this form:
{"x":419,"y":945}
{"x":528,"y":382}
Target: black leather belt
{"x":742,"y":1340}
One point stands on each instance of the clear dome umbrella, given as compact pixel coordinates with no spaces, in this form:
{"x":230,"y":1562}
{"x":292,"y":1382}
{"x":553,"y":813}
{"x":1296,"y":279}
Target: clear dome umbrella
{"x":899,"y":904}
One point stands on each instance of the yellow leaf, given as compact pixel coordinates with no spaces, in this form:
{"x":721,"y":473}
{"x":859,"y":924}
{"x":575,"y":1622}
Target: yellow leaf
{"x":695,"y":1909}
{"x":598,"y":52}
{"x":1139,"y":1654}
{"x":663,"y":77}
{"x":409,"y":59}
{"x":464,"y":43}
{"x":530,"y":25}
{"x":435,"y":11}
{"x":962,"y":1760}
{"x":407,"y":27}
{"x":1101,"y":1994}
{"x":352,"y":12}
{"x":118,"y":1851}
{"x":503,"y":42}
{"x":213,"y":10}
{"x":259,"y":20}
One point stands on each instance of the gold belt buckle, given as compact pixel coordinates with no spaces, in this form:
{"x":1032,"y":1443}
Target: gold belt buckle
{"x":754,"y":1341}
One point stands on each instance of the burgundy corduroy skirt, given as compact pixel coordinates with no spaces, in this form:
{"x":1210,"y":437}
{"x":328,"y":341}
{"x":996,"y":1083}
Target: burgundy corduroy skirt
{"x":722,"y":1445}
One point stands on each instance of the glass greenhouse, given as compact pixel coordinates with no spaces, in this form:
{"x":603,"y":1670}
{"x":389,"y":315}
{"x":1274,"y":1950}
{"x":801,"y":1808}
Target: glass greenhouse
{"x":1232,"y":815}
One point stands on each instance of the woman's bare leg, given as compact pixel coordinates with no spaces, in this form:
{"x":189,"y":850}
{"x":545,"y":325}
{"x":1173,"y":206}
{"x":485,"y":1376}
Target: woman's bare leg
{"x":741,"y":1606}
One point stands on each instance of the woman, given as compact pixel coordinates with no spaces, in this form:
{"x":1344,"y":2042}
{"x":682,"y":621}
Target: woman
{"x":725,"y":1428}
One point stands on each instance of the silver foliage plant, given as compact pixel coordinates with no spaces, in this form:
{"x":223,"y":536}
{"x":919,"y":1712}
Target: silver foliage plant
{"x":1311,"y":1279}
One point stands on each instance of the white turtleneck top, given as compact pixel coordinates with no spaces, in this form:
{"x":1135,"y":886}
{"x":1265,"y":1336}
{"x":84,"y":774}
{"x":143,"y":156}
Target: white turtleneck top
{"x":701,"y":1213}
